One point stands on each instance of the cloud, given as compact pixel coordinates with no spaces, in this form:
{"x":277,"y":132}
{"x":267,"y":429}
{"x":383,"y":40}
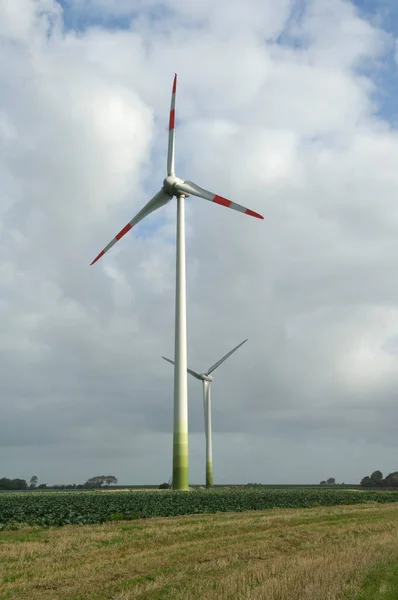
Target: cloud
{"x":276,"y":109}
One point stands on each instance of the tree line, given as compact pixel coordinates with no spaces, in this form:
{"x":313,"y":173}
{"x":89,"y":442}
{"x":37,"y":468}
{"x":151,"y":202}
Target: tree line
{"x":376,"y":479}
{"x":21,"y":484}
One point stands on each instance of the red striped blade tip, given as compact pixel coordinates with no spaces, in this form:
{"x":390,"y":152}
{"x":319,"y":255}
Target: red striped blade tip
{"x":251,"y":213}
{"x":100,"y":255}
{"x":229,"y":204}
{"x":175,"y":83}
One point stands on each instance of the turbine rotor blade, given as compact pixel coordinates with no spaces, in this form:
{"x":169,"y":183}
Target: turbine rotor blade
{"x":156,"y":202}
{"x":168,"y":360}
{"x":170,"y":150}
{"x":219,"y":362}
{"x":190,"y":371}
{"x":191,"y":188}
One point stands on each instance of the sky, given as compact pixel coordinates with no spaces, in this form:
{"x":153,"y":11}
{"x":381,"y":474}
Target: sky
{"x":286,"y":107}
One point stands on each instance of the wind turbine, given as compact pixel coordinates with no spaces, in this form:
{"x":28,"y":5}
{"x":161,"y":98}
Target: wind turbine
{"x":181,"y":189}
{"x":206,"y":380}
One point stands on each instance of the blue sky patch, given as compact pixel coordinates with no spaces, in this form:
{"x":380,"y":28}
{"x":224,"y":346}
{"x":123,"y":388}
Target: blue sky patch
{"x":81,"y":19}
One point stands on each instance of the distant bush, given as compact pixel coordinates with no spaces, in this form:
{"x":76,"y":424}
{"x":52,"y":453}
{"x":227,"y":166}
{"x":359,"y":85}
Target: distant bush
{"x":164,"y":486}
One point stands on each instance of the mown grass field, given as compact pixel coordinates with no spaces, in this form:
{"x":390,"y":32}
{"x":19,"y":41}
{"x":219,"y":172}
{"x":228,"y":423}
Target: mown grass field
{"x":324,"y":553}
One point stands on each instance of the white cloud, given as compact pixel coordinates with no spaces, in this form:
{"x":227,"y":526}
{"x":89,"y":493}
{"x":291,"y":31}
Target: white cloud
{"x":290,"y":131}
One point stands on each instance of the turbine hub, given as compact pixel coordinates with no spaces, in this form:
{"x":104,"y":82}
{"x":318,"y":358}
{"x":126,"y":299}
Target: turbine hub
{"x":207,"y":377}
{"x":169,"y":184}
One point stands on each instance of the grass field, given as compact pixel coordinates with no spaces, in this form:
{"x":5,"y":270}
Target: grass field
{"x":325,"y":553}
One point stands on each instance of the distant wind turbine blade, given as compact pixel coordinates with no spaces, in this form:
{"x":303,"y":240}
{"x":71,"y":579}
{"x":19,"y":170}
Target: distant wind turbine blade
{"x":219,"y":362}
{"x":172,"y":120}
{"x":156,"y":202}
{"x":168,"y":360}
{"x":191,"y":188}
{"x":193,"y":373}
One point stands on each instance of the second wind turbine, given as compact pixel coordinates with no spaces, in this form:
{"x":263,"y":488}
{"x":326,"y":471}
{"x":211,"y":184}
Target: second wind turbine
{"x":206,"y":380}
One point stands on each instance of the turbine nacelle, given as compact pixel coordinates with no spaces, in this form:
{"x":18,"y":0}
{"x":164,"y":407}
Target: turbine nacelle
{"x":170,"y":186}
{"x":206,"y":377}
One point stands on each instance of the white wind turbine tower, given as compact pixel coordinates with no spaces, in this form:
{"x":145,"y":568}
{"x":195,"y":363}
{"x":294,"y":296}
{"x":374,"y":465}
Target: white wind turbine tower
{"x":206,"y":380}
{"x":181,"y":189}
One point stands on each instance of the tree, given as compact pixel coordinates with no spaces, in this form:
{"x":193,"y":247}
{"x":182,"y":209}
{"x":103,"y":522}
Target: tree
{"x":377,"y":478}
{"x":99,"y":480}
{"x":110,"y":479}
{"x":95,"y":482}
{"x":366,"y":482}
{"x":331,"y":481}
{"x":33,"y":482}
{"x":13,"y":484}
{"x":322,"y":483}
{"x":391,"y":480}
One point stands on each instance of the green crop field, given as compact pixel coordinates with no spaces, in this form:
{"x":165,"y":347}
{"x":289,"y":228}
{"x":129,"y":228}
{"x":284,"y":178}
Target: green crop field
{"x":98,"y":507}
